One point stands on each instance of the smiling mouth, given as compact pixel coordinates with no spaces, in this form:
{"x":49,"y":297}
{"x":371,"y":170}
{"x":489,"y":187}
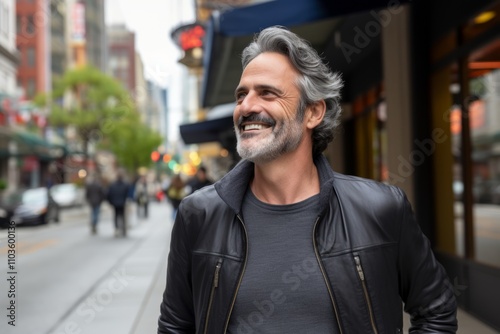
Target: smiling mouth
{"x":255,"y":122}
{"x":253,"y":127}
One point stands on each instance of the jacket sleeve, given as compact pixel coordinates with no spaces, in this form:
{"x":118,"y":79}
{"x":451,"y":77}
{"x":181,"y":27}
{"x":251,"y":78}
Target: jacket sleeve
{"x":176,"y":310}
{"x":424,"y":285}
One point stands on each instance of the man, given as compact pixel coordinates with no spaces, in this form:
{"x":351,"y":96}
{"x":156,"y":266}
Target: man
{"x":95,"y":195}
{"x":282,"y":244}
{"x":118,"y":193}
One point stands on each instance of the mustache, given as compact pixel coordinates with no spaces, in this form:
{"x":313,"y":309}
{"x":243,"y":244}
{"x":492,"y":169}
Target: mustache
{"x":256,"y":118}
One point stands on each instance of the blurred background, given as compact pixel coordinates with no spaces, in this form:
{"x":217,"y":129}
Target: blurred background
{"x":93,"y":89}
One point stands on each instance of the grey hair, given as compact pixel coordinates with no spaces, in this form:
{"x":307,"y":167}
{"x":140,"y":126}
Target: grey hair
{"x":316,"y":80}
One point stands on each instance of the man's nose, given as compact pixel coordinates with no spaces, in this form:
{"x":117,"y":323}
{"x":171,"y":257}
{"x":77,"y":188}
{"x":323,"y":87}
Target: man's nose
{"x":250,"y":105}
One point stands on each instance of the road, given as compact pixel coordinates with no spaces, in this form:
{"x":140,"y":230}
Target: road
{"x":68,"y":281}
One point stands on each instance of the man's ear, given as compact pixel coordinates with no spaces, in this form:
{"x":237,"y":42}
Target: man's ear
{"x":315,"y":113}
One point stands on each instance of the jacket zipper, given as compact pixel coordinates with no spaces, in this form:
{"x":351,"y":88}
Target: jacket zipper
{"x":316,"y":252}
{"x":241,"y":276}
{"x":215,"y":284}
{"x":361,"y":274}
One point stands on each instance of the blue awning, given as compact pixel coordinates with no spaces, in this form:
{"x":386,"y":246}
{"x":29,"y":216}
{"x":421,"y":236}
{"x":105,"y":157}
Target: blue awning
{"x":228,"y":32}
{"x":214,"y":130}
{"x":247,"y":20}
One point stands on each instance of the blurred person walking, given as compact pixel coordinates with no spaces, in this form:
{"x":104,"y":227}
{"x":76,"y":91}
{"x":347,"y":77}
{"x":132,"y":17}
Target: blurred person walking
{"x":141,"y":196}
{"x":199,"y":180}
{"x":118,"y":193}
{"x":175,"y":192}
{"x":95,"y":195}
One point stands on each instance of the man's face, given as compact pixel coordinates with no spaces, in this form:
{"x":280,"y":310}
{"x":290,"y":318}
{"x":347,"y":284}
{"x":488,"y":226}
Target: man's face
{"x":265,"y":117}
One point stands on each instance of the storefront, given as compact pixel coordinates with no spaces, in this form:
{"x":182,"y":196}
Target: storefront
{"x":464,"y":77}
{"x":421,"y":111}
{"x":430,"y":123}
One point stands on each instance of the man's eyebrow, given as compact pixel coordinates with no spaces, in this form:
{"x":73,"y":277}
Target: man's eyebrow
{"x":259,"y":87}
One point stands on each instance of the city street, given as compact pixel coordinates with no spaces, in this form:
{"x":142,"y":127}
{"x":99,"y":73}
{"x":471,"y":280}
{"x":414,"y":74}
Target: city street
{"x":68,"y":281}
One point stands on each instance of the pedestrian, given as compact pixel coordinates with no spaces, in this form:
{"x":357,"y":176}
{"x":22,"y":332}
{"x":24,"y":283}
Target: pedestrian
{"x":175,"y":193}
{"x":141,"y":196}
{"x":95,"y":195}
{"x":118,"y":193}
{"x":283,"y":244}
{"x":199,"y":180}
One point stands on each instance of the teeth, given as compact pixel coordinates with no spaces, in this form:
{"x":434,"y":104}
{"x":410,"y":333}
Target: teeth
{"x":253,"y":127}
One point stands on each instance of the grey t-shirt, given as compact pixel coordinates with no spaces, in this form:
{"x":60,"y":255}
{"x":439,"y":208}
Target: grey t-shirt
{"x":283,"y":290}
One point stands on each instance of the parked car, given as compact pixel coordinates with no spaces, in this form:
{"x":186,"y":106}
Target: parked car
{"x":68,"y":195}
{"x":28,"y":206}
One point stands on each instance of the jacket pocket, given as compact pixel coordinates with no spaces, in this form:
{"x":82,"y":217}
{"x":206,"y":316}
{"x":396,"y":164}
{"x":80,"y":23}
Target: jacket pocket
{"x":215,"y":285}
{"x":362,"y":278}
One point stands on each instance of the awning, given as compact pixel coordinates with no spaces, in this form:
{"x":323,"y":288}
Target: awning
{"x":230,"y":31}
{"x":30,"y":144}
{"x":214,"y":130}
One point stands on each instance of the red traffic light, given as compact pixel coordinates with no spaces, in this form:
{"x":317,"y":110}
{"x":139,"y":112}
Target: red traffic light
{"x":155,"y":156}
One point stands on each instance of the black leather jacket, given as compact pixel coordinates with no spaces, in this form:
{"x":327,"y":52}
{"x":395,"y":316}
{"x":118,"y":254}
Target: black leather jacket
{"x":370,"y":249}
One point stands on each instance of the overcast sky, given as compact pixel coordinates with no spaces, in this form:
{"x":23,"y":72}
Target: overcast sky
{"x":153,"y":21}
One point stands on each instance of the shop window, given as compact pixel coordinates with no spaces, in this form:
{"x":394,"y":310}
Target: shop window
{"x":370,"y":136}
{"x":477,"y":105}
{"x":484,"y":121}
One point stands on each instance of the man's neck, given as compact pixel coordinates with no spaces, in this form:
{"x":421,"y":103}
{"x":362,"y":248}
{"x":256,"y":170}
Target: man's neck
{"x":289,"y":179}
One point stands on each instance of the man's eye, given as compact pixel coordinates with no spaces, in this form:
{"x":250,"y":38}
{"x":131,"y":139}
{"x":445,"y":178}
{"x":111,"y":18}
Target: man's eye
{"x":240,"y":96}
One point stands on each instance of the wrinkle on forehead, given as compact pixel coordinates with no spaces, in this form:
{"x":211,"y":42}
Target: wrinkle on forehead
{"x":274,"y":71}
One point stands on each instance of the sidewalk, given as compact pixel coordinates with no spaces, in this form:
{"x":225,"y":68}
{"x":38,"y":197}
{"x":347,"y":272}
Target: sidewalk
{"x":128,"y":299}
{"x":132,"y":305}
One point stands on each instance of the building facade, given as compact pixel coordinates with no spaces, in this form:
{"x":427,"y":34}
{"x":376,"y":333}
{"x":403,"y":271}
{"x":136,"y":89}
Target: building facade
{"x":121,"y":56}
{"x":95,"y":30}
{"x":420,"y":108}
{"x":58,"y":42}
{"x":33,"y":43}
{"x":86,"y":33}
{"x":9,"y":58}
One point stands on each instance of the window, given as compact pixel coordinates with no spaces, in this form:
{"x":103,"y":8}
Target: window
{"x":4,"y":20}
{"x":19,"y":19}
{"x":30,"y":88}
{"x":28,"y":27}
{"x":30,"y":57}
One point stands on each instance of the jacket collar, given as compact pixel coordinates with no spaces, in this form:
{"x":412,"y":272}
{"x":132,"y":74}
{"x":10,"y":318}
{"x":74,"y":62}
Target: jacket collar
{"x":233,"y":186}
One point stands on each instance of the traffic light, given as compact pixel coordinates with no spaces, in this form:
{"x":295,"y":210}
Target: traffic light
{"x":166,"y":158}
{"x":155,"y":156}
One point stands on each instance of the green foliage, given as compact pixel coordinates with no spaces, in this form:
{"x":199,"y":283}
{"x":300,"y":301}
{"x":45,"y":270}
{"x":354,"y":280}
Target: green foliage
{"x":100,"y":110}
{"x":132,"y":142}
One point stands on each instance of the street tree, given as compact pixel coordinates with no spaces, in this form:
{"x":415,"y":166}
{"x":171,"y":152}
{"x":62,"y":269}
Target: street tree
{"x":132,"y":142}
{"x":101,"y":112}
{"x":89,"y":101}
